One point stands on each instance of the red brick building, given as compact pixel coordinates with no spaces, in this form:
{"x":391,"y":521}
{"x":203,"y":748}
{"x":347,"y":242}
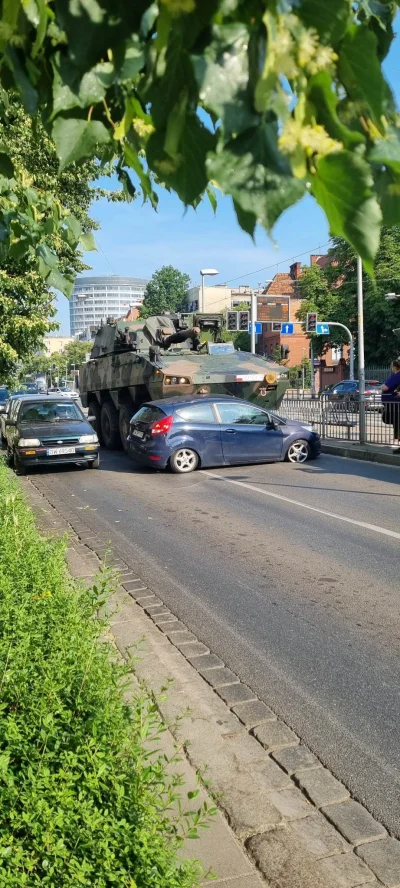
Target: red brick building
{"x":333,"y":366}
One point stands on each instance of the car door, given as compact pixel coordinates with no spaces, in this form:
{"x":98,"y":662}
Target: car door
{"x":246,"y":434}
{"x":202,"y":430}
{"x":11,"y":430}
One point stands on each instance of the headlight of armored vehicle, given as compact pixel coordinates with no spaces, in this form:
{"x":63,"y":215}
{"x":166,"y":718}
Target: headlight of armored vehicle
{"x":176,"y":380}
{"x":270,"y":378}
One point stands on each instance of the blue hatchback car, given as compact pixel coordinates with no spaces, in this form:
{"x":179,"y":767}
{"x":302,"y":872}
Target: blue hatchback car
{"x":186,"y":433}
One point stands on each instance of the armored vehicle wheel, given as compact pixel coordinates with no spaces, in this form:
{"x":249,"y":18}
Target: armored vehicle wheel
{"x":125,"y":414}
{"x":110,"y":426}
{"x":95,"y":410}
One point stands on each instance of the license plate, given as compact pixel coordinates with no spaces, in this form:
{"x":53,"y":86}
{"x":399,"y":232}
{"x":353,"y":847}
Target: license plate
{"x":60,"y":451}
{"x":137,"y":433}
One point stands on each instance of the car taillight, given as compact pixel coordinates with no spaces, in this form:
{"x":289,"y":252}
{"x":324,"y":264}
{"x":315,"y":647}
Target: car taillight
{"x":162,"y":427}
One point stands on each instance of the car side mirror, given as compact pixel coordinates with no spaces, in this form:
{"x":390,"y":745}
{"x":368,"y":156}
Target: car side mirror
{"x":91,"y":419}
{"x":272,"y":424}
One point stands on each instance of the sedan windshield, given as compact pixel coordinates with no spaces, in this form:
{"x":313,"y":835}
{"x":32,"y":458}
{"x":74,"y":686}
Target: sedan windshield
{"x":50,"y":412}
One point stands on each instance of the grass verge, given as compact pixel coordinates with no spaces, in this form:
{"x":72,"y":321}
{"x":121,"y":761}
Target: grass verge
{"x":82,"y":801}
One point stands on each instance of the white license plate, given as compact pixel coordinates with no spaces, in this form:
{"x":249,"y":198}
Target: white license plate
{"x":137,"y":433}
{"x":60,"y":451}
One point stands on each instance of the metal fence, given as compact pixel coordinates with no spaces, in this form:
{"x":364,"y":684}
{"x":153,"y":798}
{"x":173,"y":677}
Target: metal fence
{"x":341,"y":419}
{"x":378,"y":373}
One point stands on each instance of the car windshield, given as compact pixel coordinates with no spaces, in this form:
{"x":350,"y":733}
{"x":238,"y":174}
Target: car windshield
{"x":50,"y":412}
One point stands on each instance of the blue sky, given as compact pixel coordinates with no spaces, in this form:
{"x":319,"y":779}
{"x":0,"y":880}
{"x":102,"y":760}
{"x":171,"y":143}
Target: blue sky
{"x":134,"y":240}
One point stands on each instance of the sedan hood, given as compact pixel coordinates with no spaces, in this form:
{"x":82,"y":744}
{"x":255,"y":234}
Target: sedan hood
{"x":69,"y":429}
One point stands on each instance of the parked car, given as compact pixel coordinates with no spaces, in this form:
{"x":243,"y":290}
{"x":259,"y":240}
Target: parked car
{"x":349,"y":391}
{"x":186,"y":433}
{"x":4,"y":396}
{"x":5,"y":414}
{"x":48,"y":430}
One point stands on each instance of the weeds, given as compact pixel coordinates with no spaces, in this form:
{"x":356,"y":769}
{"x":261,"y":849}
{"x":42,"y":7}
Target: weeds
{"x":84,"y":802}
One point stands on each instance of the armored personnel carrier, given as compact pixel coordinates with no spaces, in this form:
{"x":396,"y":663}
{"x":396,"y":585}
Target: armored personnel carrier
{"x":161,"y":357}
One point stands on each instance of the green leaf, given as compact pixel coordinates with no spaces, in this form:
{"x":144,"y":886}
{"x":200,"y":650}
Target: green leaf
{"x":342,"y":185}
{"x":71,"y":90}
{"x":259,"y":180}
{"x":324,"y":107}
{"x":360,"y":71}
{"x":212,"y":198}
{"x":60,"y":282}
{"x":127,"y":184}
{"x":222,"y":74}
{"x":74,"y":226}
{"x":88,"y":242}
{"x":186,"y":174}
{"x":329,"y":18}
{"x":387,"y":184}
{"x":133,"y":161}
{"x":133,"y":60}
{"x":28,"y":93}
{"x":75,"y":139}
{"x":48,"y":258}
{"x":6,"y":166}
{"x":387,"y":151}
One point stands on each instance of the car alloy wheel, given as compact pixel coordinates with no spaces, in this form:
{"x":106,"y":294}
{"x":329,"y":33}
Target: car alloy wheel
{"x":298,"y":452}
{"x":184,"y":460}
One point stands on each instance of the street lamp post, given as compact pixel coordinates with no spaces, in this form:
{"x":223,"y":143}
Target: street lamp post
{"x":360,"y":350}
{"x":204,"y":273}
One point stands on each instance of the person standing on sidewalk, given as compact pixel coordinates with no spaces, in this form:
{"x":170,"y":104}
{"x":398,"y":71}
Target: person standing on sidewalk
{"x":391,"y":403}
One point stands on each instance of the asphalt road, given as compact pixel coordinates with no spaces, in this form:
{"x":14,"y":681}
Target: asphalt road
{"x":291,"y":575}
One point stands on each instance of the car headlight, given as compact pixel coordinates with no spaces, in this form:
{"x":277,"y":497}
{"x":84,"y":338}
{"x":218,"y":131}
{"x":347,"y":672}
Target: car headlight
{"x":29,"y":442}
{"x":88,"y":439}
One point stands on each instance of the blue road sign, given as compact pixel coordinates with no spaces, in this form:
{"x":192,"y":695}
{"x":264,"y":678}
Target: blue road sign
{"x":322,"y":329}
{"x":258,"y":328}
{"x":287,"y":329}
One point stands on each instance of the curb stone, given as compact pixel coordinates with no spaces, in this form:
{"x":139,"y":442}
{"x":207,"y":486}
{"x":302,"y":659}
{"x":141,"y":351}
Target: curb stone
{"x":359,"y":451}
{"x":279,"y":800}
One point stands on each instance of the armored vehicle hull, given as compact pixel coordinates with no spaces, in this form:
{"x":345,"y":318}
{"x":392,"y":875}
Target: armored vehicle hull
{"x":136,"y":362}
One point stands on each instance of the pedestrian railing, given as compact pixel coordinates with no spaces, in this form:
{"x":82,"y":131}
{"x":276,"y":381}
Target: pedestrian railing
{"x":341,"y":419}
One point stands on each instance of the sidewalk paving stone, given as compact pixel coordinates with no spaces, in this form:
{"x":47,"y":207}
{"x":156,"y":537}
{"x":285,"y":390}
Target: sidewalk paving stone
{"x":320,"y":837}
{"x":236,"y":693}
{"x":296,"y":759}
{"x":322,"y":787}
{"x":292,"y":804}
{"x":383,"y":857}
{"x":219,"y":677}
{"x":209,"y":662}
{"x":286,"y":863}
{"x":347,"y":870}
{"x":253,"y":713}
{"x":275,"y":735}
{"x":354,"y":822}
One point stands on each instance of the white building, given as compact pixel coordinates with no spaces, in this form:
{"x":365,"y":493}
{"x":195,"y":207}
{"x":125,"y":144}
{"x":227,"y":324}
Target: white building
{"x":96,"y":298}
{"x":218,"y":298}
{"x":56,"y":343}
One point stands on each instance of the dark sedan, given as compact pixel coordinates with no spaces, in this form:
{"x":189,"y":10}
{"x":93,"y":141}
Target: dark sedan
{"x":186,"y":433}
{"x":349,"y":393}
{"x":43,"y":430}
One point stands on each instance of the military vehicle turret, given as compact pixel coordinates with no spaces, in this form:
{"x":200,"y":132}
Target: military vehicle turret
{"x":160,"y":357}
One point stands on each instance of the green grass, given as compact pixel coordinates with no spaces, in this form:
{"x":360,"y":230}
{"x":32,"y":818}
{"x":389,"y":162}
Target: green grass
{"x":82,"y":802}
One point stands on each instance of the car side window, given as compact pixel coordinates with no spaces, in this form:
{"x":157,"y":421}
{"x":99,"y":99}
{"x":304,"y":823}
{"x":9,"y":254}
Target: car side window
{"x":197,"y":413}
{"x":241,"y":414}
{"x":14,"y":410}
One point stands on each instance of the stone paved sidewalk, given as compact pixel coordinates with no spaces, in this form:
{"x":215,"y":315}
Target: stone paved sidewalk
{"x":290,"y":814}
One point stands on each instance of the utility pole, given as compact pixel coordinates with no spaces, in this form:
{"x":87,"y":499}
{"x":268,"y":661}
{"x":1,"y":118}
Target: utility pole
{"x":360,"y":350}
{"x":253,"y":318}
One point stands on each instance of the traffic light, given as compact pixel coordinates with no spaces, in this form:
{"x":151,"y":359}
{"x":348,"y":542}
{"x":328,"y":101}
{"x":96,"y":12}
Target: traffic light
{"x":232,"y":320}
{"x":244,"y":320}
{"x":311,"y":322}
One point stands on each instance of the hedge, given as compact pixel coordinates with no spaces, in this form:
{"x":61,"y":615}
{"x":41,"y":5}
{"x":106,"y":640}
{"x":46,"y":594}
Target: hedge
{"x":82,"y":802}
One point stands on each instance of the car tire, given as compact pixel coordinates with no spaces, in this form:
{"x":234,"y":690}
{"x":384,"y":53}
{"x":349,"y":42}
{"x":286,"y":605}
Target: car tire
{"x":19,"y":468}
{"x":298,"y":451}
{"x":95,"y":464}
{"x":110,"y":426}
{"x":95,"y":410}
{"x":183,"y":461}
{"x":125,"y":415}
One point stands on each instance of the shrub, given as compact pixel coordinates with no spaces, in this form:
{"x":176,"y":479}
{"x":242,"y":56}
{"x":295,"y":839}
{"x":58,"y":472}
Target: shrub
{"x":82,"y":801}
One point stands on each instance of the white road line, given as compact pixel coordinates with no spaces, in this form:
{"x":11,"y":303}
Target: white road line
{"x":374,"y":527}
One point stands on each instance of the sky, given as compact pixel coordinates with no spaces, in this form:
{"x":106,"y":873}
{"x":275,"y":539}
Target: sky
{"x":135,"y":240}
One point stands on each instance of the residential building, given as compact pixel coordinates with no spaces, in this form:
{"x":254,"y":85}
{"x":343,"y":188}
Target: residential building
{"x":52,"y":344}
{"x":96,"y":298}
{"x":218,"y":298}
{"x":332,"y":367}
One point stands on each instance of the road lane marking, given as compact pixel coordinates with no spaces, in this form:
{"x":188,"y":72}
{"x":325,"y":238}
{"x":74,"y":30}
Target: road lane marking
{"x":374,"y":527}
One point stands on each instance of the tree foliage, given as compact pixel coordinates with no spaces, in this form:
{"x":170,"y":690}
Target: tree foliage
{"x":74,"y":353}
{"x":332,"y":292}
{"x":165,"y":292}
{"x":265,"y":99}
{"x":43,"y":249}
